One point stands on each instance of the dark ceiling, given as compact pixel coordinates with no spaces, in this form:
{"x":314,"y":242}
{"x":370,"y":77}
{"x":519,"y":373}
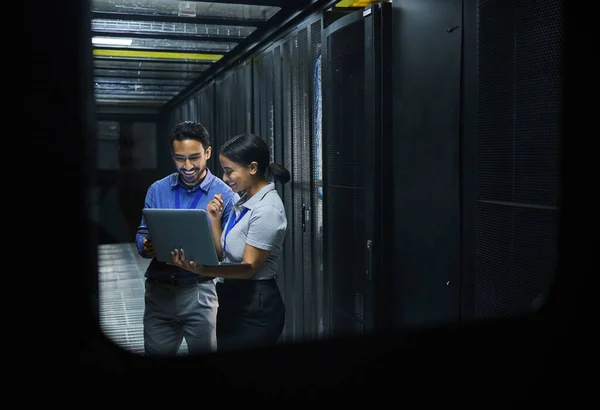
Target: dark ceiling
{"x":147,"y":52}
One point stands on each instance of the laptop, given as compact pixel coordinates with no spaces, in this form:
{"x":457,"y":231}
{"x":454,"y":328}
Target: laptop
{"x":186,"y":229}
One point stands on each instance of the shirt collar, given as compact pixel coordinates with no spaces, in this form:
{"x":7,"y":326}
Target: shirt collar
{"x":204,"y":185}
{"x":256,"y":198}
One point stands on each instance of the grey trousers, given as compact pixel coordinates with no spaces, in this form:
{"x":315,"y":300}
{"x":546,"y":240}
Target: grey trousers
{"x":172,"y":312}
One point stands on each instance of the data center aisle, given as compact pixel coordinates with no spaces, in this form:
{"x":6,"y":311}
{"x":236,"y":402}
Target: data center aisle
{"x":121,"y":295}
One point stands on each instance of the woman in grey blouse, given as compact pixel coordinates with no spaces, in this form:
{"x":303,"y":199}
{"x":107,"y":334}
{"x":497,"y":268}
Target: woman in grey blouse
{"x":251,"y":311}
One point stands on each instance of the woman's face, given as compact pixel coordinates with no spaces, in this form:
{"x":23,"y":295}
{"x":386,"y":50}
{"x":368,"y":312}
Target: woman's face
{"x":238,"y":177}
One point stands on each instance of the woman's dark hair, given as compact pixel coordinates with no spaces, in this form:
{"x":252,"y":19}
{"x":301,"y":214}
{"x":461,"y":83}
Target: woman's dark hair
{"x":246,"y":148}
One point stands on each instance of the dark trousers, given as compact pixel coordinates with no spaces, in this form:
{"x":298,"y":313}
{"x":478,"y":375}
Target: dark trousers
{"x":251,"y":314}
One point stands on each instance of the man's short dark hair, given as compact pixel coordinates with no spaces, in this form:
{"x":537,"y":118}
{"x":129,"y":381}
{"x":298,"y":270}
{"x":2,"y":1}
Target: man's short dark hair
{"x":190,"y":130}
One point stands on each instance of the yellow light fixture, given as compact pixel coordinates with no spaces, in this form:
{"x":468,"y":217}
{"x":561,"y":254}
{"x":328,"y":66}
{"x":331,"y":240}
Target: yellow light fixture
{"x":156,"y":54}
{"x":357,"y":3}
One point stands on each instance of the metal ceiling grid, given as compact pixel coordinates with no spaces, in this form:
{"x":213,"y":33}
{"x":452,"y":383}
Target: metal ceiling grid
{"x":145,"y":52}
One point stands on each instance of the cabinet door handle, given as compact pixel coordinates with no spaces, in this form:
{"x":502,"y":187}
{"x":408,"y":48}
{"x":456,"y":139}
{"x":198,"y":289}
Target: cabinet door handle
{"x":369,"y":270}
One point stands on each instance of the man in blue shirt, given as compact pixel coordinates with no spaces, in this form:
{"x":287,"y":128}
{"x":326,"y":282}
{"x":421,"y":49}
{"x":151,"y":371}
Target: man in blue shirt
{"x":179,"y":303}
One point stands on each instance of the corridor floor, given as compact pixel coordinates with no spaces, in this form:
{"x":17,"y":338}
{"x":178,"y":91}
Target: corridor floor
{"x":121,"y":295}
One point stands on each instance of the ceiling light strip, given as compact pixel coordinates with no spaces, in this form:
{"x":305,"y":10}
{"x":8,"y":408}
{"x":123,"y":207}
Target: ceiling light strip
{"x":156,"y":54}
{"x":358,"y":3}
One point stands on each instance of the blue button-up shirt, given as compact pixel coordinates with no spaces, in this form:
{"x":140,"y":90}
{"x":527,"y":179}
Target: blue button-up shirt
{"x":168,"y":193}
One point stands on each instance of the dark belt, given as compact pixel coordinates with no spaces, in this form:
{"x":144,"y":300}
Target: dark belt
{"x":178,"y":281}
{"x":247,"y":281}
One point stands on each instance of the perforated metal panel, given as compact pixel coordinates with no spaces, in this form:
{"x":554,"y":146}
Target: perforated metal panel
{"x":205,"y":114}
{"x":303,"y":85}
{"x":263,"y":76}
{"x":344,"y":175}
{"x":233,"y":96}
{"x":519,"y":137}
{"x":316,"y":194}
{"x":297,"y":51}
{"x":277,"y":108}
{"x":516,"y":256}
{"x":293,"y":241}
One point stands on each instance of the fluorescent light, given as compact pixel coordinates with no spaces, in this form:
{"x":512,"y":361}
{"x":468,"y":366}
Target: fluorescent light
{"x":111,"y":41}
